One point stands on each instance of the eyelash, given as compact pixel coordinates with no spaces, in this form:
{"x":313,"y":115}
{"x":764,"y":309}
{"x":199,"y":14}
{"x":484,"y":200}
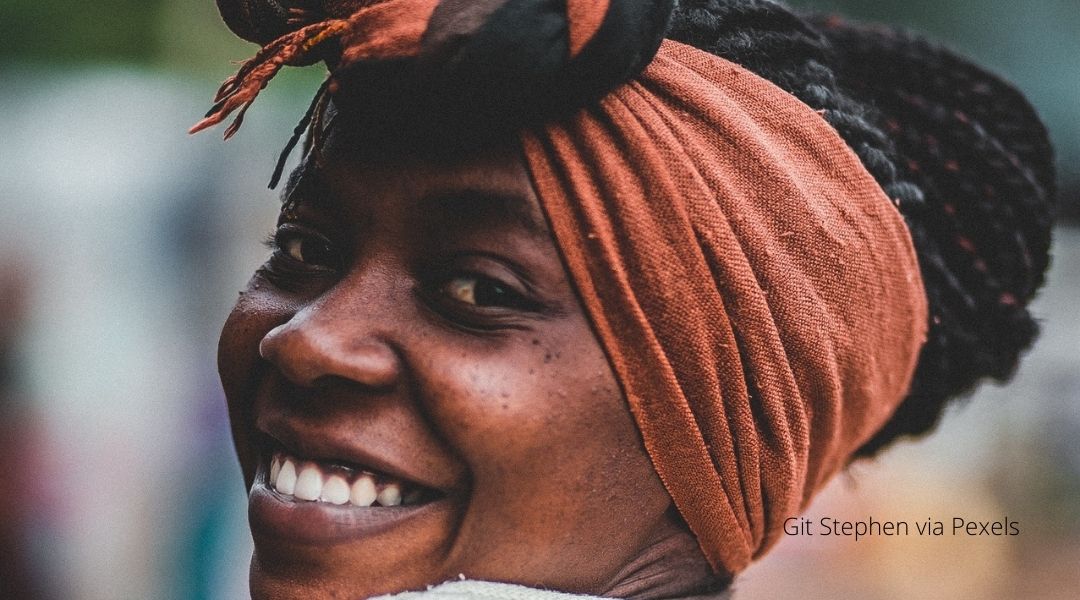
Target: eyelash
{"x":270,"y":241}
{"x":284,"y":270}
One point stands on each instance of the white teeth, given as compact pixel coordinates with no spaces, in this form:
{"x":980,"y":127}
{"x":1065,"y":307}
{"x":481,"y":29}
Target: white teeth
{"x":309,"y":483}
{"x":335,"y":490}
{"x":363,"y":491}
{"x":286,"y":479}
{"x":305,"y":481}
{"x":390,"y":495}
{"x":275,"y":468}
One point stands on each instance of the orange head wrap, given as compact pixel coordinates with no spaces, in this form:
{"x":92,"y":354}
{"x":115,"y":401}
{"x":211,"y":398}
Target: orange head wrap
{"x":756,"y":292}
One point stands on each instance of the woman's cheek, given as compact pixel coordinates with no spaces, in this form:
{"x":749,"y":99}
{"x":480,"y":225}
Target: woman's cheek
{"x":523,"y":402}
{"x":257,"y":310}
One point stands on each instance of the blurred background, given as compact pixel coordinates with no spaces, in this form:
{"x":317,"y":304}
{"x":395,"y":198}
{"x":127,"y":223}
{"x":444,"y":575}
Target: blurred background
{"x":124,"y":243}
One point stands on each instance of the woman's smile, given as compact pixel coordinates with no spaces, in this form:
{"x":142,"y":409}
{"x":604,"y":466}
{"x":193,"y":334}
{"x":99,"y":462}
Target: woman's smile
{"x":311,"y":489}
{"x":417,"y":394}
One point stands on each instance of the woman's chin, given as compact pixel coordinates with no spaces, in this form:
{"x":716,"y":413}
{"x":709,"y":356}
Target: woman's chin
{"x":280,"y":573}
{"x":315,"y":549}
{"x":325,"y":543}
{"x":268,"y":582}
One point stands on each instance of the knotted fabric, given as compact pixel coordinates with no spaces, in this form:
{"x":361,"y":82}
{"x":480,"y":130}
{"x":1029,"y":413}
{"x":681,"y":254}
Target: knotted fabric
{"x":536,"y":56}
{"x":756,"y":292}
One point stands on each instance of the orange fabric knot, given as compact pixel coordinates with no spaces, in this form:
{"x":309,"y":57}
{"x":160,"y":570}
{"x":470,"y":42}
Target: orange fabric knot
{"x":379,"y":30}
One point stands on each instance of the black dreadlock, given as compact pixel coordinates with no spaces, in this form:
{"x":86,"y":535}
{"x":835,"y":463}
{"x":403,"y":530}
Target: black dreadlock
{"x":960,"y":152}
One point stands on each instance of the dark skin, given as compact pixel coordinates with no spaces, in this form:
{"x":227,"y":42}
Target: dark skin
{"x":416,"y":317}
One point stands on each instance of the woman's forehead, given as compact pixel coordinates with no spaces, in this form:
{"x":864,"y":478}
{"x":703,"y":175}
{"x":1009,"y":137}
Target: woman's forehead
{"x":475,"y":188}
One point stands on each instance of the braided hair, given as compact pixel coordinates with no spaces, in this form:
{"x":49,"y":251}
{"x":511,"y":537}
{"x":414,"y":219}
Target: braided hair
{"x":960,"y":152}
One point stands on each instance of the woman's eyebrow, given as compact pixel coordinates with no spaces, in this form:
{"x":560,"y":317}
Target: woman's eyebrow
{"x":473,"y":209}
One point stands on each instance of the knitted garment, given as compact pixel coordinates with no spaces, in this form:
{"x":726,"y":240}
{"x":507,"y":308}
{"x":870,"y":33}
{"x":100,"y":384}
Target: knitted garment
{"x":483,"y":590}
{"x":756,"y":292}
{"x":486,"y":590}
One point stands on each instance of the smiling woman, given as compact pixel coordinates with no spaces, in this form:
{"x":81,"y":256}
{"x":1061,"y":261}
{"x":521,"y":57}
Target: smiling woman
{"x":439,"y":368}
{"x":554,"y":301}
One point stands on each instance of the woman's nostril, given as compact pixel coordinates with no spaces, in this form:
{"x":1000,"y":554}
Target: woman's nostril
{"x":327,"y":382}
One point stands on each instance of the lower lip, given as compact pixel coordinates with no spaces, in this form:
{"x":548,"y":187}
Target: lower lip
{"x":320,"y":523}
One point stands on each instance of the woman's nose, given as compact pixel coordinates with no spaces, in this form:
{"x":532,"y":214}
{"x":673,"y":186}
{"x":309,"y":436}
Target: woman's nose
{"x":313,"y":348}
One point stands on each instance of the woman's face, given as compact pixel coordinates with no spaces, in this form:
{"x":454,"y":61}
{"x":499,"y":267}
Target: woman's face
{"x":414,"y":342}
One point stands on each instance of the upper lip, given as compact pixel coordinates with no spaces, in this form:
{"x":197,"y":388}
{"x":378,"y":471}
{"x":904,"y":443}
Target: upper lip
{"x":324,"y":446}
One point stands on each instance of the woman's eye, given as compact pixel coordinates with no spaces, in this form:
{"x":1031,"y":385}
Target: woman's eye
{"x":481,"y":291}
{"x":306,"y":248}
{"x":294,"y":247}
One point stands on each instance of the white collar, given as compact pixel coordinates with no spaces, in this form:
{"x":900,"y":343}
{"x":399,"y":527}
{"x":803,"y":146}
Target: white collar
{"x":483,"y":590}
{"x":487,"y":590}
